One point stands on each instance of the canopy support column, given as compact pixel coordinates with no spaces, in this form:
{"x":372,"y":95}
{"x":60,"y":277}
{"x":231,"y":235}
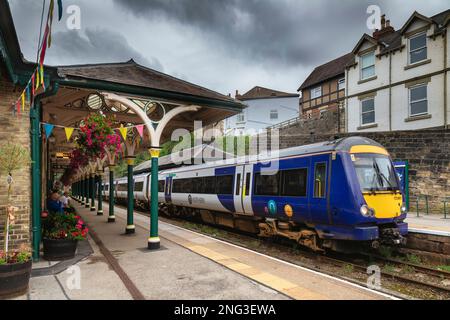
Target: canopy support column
{"x":36,"y":180}
{"x":131,"y":229}
{"x":111,"y":216}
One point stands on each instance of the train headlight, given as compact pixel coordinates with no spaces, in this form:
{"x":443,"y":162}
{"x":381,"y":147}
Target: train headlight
{"x":403,"y":209}
{"x":366,"y":211}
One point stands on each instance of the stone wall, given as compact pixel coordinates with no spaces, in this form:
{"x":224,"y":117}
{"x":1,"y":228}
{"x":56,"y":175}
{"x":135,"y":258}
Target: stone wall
{"x":16,"y":130}
{"x":428,"y":153}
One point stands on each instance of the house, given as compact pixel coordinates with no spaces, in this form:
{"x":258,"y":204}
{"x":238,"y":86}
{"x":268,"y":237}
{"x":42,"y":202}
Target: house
{"x":324,"y":89}
{"x":399,"y":80}
{"x":265,"y":108}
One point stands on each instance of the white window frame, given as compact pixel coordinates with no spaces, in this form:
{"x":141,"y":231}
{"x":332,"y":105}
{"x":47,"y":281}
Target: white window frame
{"x":313,"y":92}
{"x":361,"y":65}
{"x":410,"y":101}
{"x":273,"y":111}
{"x":342,"y":80}
{"x":239,"y":117}
{"x":409,"y":47}
{"x":361,"y":112}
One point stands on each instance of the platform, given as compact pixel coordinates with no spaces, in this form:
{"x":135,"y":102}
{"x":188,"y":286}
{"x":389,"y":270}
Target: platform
{"x":430,"y":224}
{"x":195,"y":266}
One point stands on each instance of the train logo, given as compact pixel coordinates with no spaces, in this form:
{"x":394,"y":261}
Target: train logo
{"x":272,"y":207}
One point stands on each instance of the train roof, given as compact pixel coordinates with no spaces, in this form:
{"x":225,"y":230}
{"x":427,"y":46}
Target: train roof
{"x":342,"y":144}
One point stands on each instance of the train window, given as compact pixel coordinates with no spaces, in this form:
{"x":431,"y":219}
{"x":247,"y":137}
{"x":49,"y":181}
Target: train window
{"x":122,"y":187}
{"x":161,"y":186}
{"x":294,"y":182}
{"x":224,"y":184}
{"x":197,"y":185}
{"x":247,"y":184}
{"x":267,"y":184}
{"x":209,"y":185}
{"x":177,"y":186}
{"x":320,"y":180}
{"x":238,"y":184}
{"x":139,"y":186}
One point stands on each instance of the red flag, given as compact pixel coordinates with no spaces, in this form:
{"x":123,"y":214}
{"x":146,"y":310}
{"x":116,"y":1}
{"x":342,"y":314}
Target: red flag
{"x":32,"y":85}
{"x":18,"y":107}
{"x":44,"y":45}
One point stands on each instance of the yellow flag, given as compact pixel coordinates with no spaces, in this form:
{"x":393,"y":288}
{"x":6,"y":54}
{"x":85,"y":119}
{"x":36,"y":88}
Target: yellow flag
{"x":123,"y":132}
{"x":38,"y":81}
{"x":69,"y":132}
{"x":23,"y":101}
{"x":42,"y":76}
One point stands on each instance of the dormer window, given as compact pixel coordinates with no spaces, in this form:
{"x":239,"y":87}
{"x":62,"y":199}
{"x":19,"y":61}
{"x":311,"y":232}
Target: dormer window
{"x":367,"y":63}
{"x":417,"y":48}
{"x":316,"y":92}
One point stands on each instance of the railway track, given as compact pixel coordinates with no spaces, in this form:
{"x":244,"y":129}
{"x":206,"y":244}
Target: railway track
{"x":423,"y":278}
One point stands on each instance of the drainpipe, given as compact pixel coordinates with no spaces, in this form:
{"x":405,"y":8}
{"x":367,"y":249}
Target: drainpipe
{"x":390,"y":92}
{"x":36,"y":206}
{"x":446,"y":124}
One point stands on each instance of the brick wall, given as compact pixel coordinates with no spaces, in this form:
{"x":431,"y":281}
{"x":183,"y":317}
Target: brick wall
{"x":15,"y":130}
{"x":428,"y":153}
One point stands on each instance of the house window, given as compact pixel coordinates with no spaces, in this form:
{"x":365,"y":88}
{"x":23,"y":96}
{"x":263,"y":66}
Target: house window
{"x":273,"y":114}
{"x":240,"y":117}
{"x":418,"y":102}
{"x":367,"y":65}
{"x":316,"y":92}
{"x":368,"y":111}
{"x":341,"y":84}
{"x":418,"y":48}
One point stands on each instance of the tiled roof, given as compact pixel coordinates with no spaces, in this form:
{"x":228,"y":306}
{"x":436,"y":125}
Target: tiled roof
{"x":327,"y":71}
{"x":131,"y":73}
{"x":264,"y":93}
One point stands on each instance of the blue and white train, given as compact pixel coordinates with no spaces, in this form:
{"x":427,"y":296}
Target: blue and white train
{"x":332,"y":195}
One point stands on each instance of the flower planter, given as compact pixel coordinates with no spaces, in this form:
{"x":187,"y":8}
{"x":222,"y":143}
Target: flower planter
{"x":14,"y":279}
{"x":60,"y":249}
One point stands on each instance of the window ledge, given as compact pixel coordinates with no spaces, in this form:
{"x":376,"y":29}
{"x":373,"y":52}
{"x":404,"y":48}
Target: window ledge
{"x":367,"y":80}
{"x":420,"y":117}
{"x":367,"y":126}
{"x":417,"y":64}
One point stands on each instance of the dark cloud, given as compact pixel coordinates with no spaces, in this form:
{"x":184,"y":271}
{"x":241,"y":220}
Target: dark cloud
{"x":96,"y":46}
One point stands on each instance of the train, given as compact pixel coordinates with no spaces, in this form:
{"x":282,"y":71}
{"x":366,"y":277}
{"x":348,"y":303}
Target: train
{"x":338,"y":195}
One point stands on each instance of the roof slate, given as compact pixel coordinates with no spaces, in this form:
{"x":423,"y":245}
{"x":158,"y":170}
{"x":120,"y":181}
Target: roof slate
{"x":264,"y":93}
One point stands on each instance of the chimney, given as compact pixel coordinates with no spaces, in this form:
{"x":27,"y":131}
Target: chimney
{"x":237,"y":93}
{"x":386,"y":28}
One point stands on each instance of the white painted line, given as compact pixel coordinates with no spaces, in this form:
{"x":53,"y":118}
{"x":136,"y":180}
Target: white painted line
{"x":432,"y":232}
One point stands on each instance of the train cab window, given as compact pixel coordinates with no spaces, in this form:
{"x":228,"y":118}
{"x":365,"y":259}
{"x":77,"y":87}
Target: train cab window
{"x":209,"y":185}
{"x":294,"y":182}
{"x":161,"y":186}
{"x":266,"y":184}
{"x":139,"y":186}
{"x":320,"y":180}
{"x":122,"y":187}
{"x":238,"y":184}
{"x":224,"y":185}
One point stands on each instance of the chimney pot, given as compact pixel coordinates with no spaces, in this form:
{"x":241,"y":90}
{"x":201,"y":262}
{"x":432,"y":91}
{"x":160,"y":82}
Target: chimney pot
{"x":383,"y":21}
{"x":237,"y":93}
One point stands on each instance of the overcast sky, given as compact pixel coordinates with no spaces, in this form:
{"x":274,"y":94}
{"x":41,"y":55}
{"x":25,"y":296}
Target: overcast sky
{"x":223,"y":45}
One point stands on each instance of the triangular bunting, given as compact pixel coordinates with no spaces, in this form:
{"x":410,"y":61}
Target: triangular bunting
{"x":23,"y":100}
{"x":44,"y":46}
{"x":37,"y":79}
{"x":123,"y":132}
{"x":140,"y":130}
{"x":60,"y":10}
{"x":50,"y":21}
{"x":48,"y":129}
{"x":18,"y":107}
{"x":42,"y":76}
{"x":69,"y":132}
{"x":32,"y":85}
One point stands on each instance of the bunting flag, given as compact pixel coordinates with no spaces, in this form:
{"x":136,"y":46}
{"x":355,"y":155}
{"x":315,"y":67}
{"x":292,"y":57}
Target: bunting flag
{"x":18,"y":107}
{"x":42,"y":76}
{"x":60,"y":10}
{"x":140,"y":130}
{"x":44,"y":45}
{"x":38,"y":81}
{"x":23,"y":100}
{"x":48,"y":129}
{"x":50,"y":22}
{"x":123,"y":131}
{"x":69,"y":132}
{"x":33,"y":85}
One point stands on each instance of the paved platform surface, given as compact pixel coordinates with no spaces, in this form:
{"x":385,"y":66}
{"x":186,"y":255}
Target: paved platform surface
{"x":194,"y":266}
{"x":429,"y":223}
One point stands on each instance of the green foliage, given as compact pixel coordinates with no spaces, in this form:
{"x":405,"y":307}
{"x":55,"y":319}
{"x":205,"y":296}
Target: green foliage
{"x":13,"y":157}
{"x":444,"y":268}
{"x":413,"y":258}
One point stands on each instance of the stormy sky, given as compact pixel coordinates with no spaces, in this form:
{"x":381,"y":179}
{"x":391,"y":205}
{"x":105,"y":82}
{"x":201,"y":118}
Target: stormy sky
{"x":223,"y":45}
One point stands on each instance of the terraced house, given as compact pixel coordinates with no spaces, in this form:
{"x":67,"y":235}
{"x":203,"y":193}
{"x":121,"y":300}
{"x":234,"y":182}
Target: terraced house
{"x":398,"y":79}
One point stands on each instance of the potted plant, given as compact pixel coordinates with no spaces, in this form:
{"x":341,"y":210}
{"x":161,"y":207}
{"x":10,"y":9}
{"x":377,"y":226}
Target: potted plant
{"x":15,"y":261}
{"x":61,"y":233}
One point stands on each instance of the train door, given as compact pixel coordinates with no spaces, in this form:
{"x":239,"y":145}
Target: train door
{"x":318,"y":189}
{"x":168,"y":190}
{"x":242,"y":190}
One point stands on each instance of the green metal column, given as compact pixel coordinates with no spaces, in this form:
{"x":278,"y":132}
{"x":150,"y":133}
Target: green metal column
{"x":92,"y":190}
{"x":153,"y":240}
{"x":111,"y":216}
{"x":36,"y":180}
{"x":100,"y":195}
{"x":86,"y":192}
{"x":130,"y":197}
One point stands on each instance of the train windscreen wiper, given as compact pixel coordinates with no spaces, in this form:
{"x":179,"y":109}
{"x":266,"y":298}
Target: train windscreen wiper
{"x":383,"y":177}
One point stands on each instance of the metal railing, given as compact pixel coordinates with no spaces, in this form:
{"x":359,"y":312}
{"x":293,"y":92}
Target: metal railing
{"x":425,"y":198}
{"x":285,"y":123}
